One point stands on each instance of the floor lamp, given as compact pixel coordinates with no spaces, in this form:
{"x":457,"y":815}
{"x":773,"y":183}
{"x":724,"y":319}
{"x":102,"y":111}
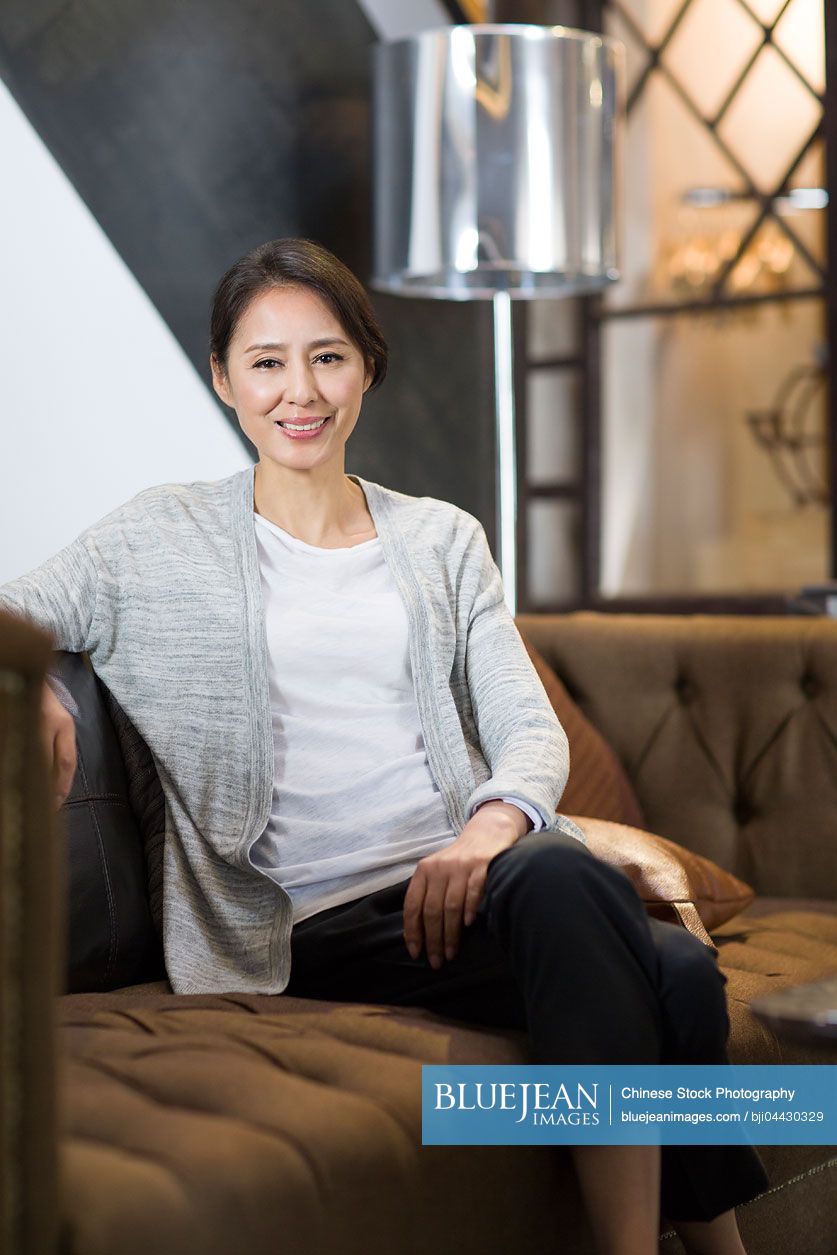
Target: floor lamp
{"x":495,"y":158}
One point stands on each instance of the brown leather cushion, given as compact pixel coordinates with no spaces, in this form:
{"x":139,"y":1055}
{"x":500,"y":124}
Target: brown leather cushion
{"x":671,"y":880}
{"x":598,"y":784}
{"x":232,"y":1122}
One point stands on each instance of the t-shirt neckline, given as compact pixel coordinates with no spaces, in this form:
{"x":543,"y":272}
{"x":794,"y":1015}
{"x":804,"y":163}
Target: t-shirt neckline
{"x":296,"y":543}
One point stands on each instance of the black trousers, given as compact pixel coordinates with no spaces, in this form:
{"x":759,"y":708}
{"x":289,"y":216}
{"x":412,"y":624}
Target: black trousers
{"x":563,"y":948}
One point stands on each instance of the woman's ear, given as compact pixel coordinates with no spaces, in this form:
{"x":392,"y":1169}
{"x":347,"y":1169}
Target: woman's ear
{"x":219,"y":381}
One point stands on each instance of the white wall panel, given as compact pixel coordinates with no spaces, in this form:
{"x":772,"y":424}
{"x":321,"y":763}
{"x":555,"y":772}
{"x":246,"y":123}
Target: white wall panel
{"x":98,"y":398}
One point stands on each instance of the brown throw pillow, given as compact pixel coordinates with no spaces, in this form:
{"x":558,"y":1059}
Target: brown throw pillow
{"x":671,"y":880}
{"x":598,"y":785}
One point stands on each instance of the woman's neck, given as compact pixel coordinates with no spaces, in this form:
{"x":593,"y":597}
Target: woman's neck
{"x":327,"y":512}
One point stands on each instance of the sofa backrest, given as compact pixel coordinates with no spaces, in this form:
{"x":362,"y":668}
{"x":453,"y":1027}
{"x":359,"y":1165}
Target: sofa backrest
{"x":727,"y":727}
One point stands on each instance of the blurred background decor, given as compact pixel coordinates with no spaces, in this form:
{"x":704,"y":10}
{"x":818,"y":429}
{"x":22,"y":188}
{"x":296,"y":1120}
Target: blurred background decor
{"x":645,"y":479}
{"x":151,"y":144}
{"x":782,"y":431}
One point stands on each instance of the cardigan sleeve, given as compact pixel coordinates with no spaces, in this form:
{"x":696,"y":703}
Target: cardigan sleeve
{"x":520,"y":735}
{"x":59,"y":595}
{"x":538,"y":821}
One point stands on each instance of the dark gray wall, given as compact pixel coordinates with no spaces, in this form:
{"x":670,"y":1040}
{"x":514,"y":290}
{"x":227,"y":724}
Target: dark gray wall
{"x":196,"y":129}
{"x":542,"y":12}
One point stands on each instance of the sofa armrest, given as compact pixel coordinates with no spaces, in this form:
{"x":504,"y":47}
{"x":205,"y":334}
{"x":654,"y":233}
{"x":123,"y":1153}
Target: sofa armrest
{"x":30,"y":951}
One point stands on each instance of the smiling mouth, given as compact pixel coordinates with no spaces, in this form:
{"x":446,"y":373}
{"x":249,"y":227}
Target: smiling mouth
{"x":313,"y":424}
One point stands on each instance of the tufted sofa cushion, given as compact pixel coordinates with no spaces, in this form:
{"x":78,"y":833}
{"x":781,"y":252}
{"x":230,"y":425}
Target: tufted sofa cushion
{"x":727,"y":728}
{"x":245,"y":1122}
{"x":219,"y":1123}
{"x":249,"y":1123}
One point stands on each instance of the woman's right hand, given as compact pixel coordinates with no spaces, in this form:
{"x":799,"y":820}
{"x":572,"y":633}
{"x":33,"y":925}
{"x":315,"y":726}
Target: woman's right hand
{"x":58,"y":732}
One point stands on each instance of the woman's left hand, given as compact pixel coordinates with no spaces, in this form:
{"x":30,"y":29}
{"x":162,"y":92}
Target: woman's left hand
{"x":449,"y":884}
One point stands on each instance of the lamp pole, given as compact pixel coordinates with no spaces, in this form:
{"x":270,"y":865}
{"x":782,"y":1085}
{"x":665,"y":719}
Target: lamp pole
{"x":506,"y":449}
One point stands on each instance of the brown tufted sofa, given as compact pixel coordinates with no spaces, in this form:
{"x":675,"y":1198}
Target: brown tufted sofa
{"x":239,"y":1123}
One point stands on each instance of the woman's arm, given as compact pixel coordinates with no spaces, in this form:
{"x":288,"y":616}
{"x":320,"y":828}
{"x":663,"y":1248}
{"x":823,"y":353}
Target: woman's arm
{"x":59,"y":595}
{"x":521,"y":740}
{"x":520,"y":735}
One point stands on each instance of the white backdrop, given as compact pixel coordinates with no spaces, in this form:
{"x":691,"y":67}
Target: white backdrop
{"x":98,"y":399}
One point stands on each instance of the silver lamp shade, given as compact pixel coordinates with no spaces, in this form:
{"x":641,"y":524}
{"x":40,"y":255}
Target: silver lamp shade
{"x":496,"y":162}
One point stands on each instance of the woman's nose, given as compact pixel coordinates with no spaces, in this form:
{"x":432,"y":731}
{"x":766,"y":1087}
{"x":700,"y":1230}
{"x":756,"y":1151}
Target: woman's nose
{"x":300,"y":385}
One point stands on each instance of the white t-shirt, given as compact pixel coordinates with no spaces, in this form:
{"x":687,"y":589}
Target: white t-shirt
{"x":354,"y":803}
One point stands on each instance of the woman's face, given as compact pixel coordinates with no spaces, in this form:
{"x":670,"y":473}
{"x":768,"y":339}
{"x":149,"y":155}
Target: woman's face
{"x":290,"y":362}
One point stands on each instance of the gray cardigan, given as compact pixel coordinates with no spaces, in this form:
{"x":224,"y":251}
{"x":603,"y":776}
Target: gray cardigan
{"x":164,"y":594}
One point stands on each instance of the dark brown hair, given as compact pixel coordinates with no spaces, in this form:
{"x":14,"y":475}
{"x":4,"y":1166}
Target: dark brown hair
{"x":300,"y":264}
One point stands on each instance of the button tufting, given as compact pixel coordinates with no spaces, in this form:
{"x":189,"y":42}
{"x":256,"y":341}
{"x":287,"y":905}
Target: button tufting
{"x":743,"y":810}
{"x":809,"y":685}
{"x":685,"y":689}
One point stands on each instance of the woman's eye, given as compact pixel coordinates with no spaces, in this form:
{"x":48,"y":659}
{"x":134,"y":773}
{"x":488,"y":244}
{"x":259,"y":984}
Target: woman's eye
{"x":268,"y":361}
{"x":327,"y":358}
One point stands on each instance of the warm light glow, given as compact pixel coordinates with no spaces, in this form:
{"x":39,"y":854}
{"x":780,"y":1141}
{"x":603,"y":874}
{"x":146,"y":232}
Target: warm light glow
{"x":801,"y":34}
{"x":769,"y":119}
{"x":703,"y":204}
{"x":709,"y":49}
{"x":690,"y":503}
{"x":765,"y":10}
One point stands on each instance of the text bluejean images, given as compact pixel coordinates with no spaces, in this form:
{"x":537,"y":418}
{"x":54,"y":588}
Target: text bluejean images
{"x":636,"y":1104}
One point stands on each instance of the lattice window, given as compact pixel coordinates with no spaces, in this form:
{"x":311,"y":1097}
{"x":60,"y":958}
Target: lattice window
{"x":744,"y":81}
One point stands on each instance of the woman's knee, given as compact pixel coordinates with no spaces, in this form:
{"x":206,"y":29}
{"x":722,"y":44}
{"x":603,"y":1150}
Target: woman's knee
{"x":685,"y":960}
{"x":549,"y":865}
{"x":547,"y":851}
{"x":692,"y":985}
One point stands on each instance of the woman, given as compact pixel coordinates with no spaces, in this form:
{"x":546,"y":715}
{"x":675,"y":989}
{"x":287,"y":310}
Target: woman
{"x":360,"y":765}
